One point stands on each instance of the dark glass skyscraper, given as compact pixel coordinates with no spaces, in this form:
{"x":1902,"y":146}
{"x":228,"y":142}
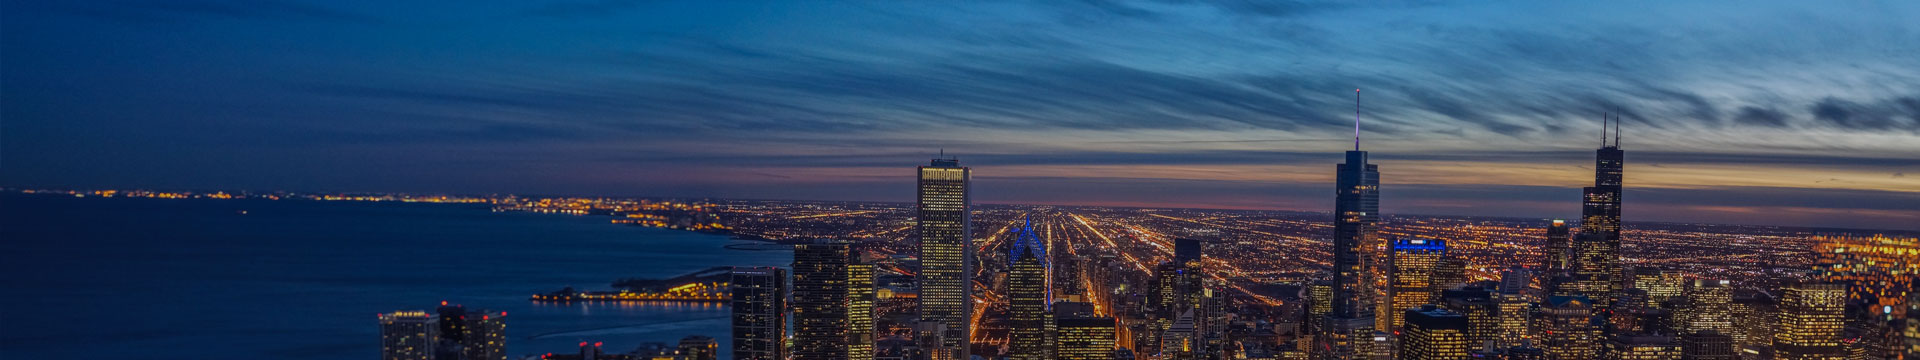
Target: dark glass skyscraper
{"x":1597,"y":268}
{"x":1356,"y":210}
{"x":946,"y":258}
{"x":1559,"y":247}
{"x":828,"y":283}
{"x":759,"y":313}
{"x":1029,"y":296}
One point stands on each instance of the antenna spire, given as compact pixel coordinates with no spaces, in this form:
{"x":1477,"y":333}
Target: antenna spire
{"x":1616,"y":129}
{"x":1356,"y":119}
{"x":1603,"y":129}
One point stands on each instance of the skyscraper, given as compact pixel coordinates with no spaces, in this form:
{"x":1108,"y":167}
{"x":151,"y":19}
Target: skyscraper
{"x":1566,"y":328}
{"x":1709,"y":307}
{"x":827,"y":305}
{"x":759,"y":302}
{"x":1411,"y":278}
{"x":1356,"y":216}
{"x":1029,"y":296}
{"x":698,"y":347}
{"x":1082,"y":334}
{"x":408,"y":335}
{"x":485,"y":337}
{"x":1433,"y":333}
{"x":1559,"y":255}
{"x":1642,"y":347}
{"x":1482,"y":313}
{"x":946,"y":258}
{"x":1597,"y":251}
{"x":1812,"y":318}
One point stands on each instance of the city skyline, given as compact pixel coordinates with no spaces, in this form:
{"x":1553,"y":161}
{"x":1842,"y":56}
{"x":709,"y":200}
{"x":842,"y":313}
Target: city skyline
{"x":1472,"y":108}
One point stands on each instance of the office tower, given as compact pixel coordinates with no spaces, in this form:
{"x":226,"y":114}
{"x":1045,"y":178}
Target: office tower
{"x":1356,"y":210}
{"x":1709,"y":307}
{"x":1661,"y":285}
{"x":408,"y":335}
{"x":1482,"y":313}
{"x":829,"y":282}
{"x":1566,"y":328}
{"x":1181,"y":340}
{"x":1753,"y":321}
{"x":1707,"y":345}
{"x":1433,"y":333}
{"x":698,"y":347}
{"x":485,"y":335}
{"x":1559,"y":248}
{"x":1414,"y":261}
{"x":1515,"y":317}
{"x":1811,"y":321}
{"x":1642,"y":347}
{"x":759,"y":302}
{"x":452,"y":329}
{"x":1185,"y":250}
{"x":1028,"y":296}
{"x":1319,"y":303}
{"x":1450,"y":273}
{"x":1597,"y":249}
{"x":1877,"y":270}
{"x":946,"y":258}
{"x":1083,"y":335}
{"x":1069,"y":279}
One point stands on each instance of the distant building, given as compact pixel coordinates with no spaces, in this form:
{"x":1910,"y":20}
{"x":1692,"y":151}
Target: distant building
{"x":1411,"y":280}
{"x":758,"y":302}
{"x":1084,"y":337}
{"x":1559,"y":247}
{"x":1812,"y":319}
{"x":1707,"y":345}
{"x":698,"y":347}
{"x":486,"y":335}
{"x":946,"y":255}
{"x":1567,"y":328}
{"x":1642,"y":347}
{"x":1709,"y":307}
{"x":1661,"y":285}
{"x":1433,"y":333}
{"x":1482,"y":313}
{"x":408,"y":335}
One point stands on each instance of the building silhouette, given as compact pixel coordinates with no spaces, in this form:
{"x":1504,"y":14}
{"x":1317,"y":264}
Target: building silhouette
{"x":409,"y":335}
{"x":1029,"y":297}
{"x":832,"y":303}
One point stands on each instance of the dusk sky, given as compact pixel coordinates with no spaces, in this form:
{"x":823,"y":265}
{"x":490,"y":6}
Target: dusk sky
{"x":1784,"y":113}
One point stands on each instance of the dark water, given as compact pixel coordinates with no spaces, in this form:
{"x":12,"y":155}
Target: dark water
{"x":96,"y":278}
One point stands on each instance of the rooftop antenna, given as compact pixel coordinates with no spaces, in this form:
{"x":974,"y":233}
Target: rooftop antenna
{"x":1603,"y":129}
{"x":1356,"y":119}
{"x":1616,"y":129}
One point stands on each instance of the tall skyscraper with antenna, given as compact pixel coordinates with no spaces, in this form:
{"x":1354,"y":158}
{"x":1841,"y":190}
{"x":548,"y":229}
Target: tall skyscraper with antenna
{"x":1597,"y":270}
{"x":1350,"y":323}
{"x":946,"y":257}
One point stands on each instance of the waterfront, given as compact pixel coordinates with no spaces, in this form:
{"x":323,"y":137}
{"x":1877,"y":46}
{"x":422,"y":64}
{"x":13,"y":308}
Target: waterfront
{"x":197,"y":278}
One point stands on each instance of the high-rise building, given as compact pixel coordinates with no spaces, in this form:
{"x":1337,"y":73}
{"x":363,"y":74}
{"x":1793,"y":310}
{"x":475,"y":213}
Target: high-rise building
{"x":1812,"y":318}
{"x":1181,"y":339}
{"x":1707,"y":345}
{"x":1482,"y":313}
{"x":1185,"y":250}
{"x":1084,"y":336}
{"x":1450,"y":273}
{"x":1567,"y":328}
{"x":1661,"y":285}
{"x":946,"y":258}
{"x":1414,"y":261}
{"x":486,"y":335}
{"x":1356,"y":207}
{"x":698,"y":347}
{"x":1559,"y":255}
{"x":1642,"y":347}
{"x":1597,"y":250}
{"x":1028,"y":296}
{"x":759,"y":302}
{"x":1433,"y":333}
{"x":408,"y":335}
{"x":827,"y":304}
{"x":1709,"y":306}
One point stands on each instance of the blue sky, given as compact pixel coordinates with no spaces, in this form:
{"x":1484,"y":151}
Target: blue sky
{"x":1797,"y":113}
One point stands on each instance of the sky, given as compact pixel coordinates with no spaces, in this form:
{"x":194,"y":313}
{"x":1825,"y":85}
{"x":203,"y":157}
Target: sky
{"x":1773,"y":113}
